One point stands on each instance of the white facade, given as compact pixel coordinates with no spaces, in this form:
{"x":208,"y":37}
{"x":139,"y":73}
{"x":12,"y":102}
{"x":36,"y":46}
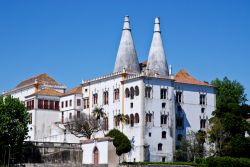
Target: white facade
{"x":154,"y":108}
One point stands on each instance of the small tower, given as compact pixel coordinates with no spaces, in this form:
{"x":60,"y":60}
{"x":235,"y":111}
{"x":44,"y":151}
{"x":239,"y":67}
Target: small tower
{"x":157,"y":63}
{"x":126,"y":56}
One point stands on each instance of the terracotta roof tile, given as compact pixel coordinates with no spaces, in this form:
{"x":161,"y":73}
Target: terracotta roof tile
{"x":76,"y":90}
{"x":47,"y":92}
{"x":184,"y":77}
{"x":42,"y":78}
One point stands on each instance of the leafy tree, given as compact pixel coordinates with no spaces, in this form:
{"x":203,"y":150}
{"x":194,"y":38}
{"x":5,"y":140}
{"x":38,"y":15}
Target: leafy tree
{"x":83,"y":126}
{"x":191,"y":146}
{"x":227,"y":125}
{"x":13,"y":127}
{"x":121,"y":141}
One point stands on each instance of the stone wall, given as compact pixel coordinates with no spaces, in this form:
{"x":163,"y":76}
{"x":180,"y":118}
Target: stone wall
{"x":67,"y":153}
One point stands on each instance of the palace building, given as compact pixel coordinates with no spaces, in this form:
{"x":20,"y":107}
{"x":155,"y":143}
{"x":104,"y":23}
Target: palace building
{"x":148,"y":103}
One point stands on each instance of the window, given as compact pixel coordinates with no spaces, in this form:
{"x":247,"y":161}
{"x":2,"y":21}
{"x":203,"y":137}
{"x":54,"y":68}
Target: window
{"x":30,"y":118}
{"x":70,"y":103}
{"x":159,"y":147}
{"x":163,"y":105}
{"x":136,"y":90}
{"x":66,"y":103}
{"x":132,"y":93}
{"x":116,"y":94}
{"x":148,"y":117}
{"x":137,"y":118}
{"x":30,"y":104}
{"x":78,"y":114}
{"x":202,"y":99}
{"x":62,"y":104}
{"x":163,"y":93}
{"x":95,"y":98}
{"x":164,"y":119}
{"x":105,"y":97}
{"x":178,"y":97}
{"x":149,"y":134}
{"x":46,"y":104}
{"x":131,"y":105}
{"x":70,"y":115}
{"x":179,"y":137}
{"x":127,"y":119}
{"x":86,"y":103}
{"x":132,"y":119}
{"x":62,"y":119}
{"x":56,"y":105}
{"x":202,"y":110}
{"x":40,"y":104}
{"x":163,"y":134}
{"x":127,"y":94}
{"x":148,"y":91}
{"x":78,"y":102}
{"x":105,"y":123}
{"x":179,"y":122}
{"x":117,"y":120}
{"x":202,"y":123}
{"x":51,"y":105}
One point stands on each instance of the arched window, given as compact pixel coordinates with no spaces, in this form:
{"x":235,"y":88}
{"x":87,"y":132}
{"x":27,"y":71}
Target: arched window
{"x":95,"y":156}
{"x":127,"y":92}
{"x":148,"y":117}
{"x":159,"y":147}
{"x":132,"y":93}
{"x":126,"y":119}
{"x":163,"y":134}
{"x":164,"y":119}
{"x":132,"y":120}
{"x":136,"y":118}
{"x":136,"y":90}
{"x":105,"y":123}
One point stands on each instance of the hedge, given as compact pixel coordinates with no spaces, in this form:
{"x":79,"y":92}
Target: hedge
{"x":224,"y":162}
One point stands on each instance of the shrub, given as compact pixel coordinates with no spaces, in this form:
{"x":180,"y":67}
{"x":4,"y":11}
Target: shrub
{"x":224,"y":162}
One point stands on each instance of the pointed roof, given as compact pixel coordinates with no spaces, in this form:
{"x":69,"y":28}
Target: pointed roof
{"x":157,"y":63}
{"x":47,"y":92}
{"x":126,"y":56}
{"x":184,"y":77}
{"x":42,"y":78}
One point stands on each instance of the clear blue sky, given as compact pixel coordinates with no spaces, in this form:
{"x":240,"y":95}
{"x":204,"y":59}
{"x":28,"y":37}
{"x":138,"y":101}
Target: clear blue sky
{"x":75,"y":40}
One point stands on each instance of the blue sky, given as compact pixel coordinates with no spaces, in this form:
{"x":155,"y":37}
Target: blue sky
{"x":75,"y":40}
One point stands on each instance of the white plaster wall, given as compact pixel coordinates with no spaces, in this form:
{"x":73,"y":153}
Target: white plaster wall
{"x":22,"y":93}
{"x":88,"y":152}
{"x":44,"y":120}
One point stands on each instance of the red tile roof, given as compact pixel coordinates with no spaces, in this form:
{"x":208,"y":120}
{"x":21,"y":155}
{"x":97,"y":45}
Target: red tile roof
{"x":76,"y":90}
{"x":47,"y":92}
{"x":42,"y":78}
{"x":184,"y":77}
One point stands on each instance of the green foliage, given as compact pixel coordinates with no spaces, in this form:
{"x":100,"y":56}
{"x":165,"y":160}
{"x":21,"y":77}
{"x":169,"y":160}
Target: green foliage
{"x":191,"y":146}
{"x":224,"y":162}
{"x":162,"y":163}
{"x":228,"y":126}
{"x":30,"y":153}
{"x":121,"y":141}
{"x":13,"y":127}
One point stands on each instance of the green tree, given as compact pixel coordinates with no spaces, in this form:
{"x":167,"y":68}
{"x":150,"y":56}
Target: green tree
{"x":227,"y":125}
{"x":13,"y":128}
{"x":121,"y":141}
